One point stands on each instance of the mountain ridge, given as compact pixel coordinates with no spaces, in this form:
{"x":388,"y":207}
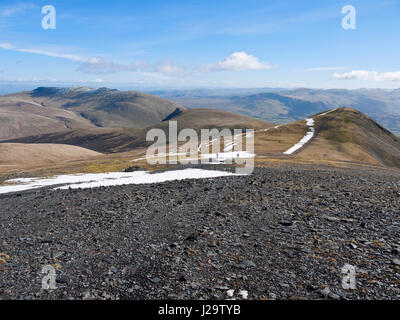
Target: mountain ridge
{"x":112,"y":140}
{"x":282,"y":105}
{"x":53,"y":109}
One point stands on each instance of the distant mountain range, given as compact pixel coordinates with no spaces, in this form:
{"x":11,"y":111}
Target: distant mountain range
{"x":287,"y":105}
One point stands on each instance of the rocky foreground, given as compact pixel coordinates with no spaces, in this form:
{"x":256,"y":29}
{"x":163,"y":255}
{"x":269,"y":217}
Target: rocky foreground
{"x":282,"y":233}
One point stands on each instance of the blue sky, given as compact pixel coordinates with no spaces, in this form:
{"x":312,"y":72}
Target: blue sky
{"x":202,"y":44}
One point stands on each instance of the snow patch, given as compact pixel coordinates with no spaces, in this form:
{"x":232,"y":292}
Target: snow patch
{"x":305,"y":139}
{"x":329,"y":111}
{"x":92,"y":180}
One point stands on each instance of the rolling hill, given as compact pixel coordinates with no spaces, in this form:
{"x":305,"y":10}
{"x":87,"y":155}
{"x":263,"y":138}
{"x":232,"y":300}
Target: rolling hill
{"x":344,"y":134}
{"x":339,"y":135}
{"x":25,"y":156}
{"x":109,"y":121}
{"x":111,"y":140}
{"x":21,"y":115}
{"x":211,"y":118}
{"x":49,"y":110}
{"x":350,"y":135}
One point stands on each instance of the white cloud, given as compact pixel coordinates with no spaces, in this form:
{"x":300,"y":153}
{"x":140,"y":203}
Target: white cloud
{"x":92,"y":65}
{"x":97,"y":65}
{"x":324,"y":69}
{"x":239,"y":61}
{"x":91,"y":81}
{"x":13,"y":10}
{"x":368,"y":75}
{"x":390,"y":76}
{"x":6,"y":46}
{"x":169,"y":68}
{"x":106,"y":66}
{"x":53,"y":54}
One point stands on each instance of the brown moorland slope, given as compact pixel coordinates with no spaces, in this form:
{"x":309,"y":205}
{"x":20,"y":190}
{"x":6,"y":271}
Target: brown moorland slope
{"x":341,"y":135}
{"x":349,"y":135}
{"x":106,"y":107}
{"x":119,"y":140}
{"x":41,"y":155}
{"x":21,"y":115}
{"x":51,"y":110}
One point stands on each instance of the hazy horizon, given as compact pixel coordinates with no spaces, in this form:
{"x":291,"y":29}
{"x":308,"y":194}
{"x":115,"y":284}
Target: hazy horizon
{"x":9,"y":88}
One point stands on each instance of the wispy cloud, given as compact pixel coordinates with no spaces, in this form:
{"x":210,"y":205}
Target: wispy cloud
{"x":368,"y":75}
{"x":324,"y":69}
{"x":271,"y":24}
{"x":97,"y":65}
{"x":283,"y":23}
{"x":92,"y":81}
{"x":7,"y":46}
{"x":106,"y":66}
{"x":10,"y":11}
{"x":170,"y":68}
{"x":54,"y":54}
{"x":239,"y":61}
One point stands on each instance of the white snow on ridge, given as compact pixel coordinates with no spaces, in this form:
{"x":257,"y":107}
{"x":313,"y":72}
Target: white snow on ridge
{"x":310,"y":122}
{"x":305,"y":139}
{"x":109,"y":179}
{"x":329,"y":111}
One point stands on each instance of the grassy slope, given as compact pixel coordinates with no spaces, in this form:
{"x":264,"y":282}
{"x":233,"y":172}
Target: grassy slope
{"x":348,"y":135}
{"x":42,"y":112}
{"x":22,"y":116}
{"x":120,"y":140}
{"x":278,"y":140}
{"x":27,"y":156}
{"x":112,"y":108}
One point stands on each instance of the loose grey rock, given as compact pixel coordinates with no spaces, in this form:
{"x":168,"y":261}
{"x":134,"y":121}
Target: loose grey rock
{"x":62,"y":280}
{"x":247,"y":264}
{"x":396,"y":262}
{"x":106,"y":255}
{"x":325,"y":292}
